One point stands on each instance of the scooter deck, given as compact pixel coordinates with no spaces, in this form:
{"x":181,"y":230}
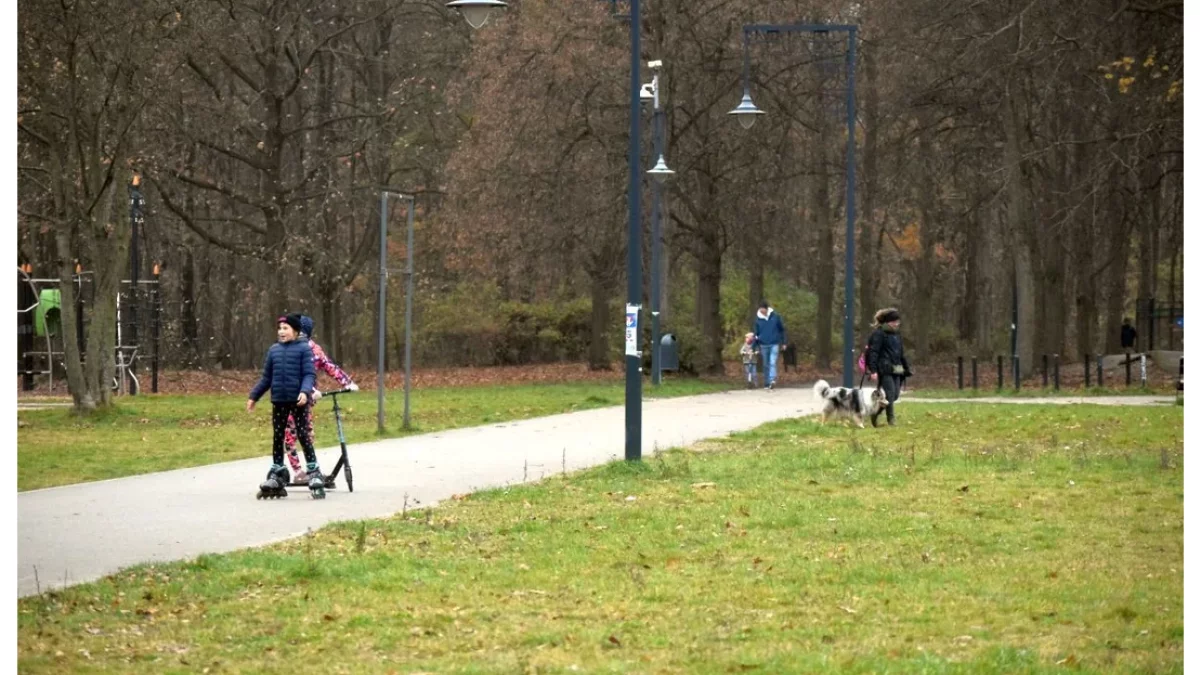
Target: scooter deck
{"x":329,"y":485}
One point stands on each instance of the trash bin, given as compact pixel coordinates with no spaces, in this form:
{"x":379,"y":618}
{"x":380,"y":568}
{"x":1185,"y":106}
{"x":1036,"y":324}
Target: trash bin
{"x":669,"y":352}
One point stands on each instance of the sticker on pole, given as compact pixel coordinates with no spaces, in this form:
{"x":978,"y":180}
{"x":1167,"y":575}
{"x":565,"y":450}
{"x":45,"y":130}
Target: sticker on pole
{"x":631,"y":330}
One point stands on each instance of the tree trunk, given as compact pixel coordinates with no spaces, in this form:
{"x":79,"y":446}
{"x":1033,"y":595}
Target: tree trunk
{"x":329,"y":341}
{"x":664,"y":285}
{"x":708,"y":304}
{"x":825,"y":267}
{"x":1055,"y":292}
{"x":1082,"y":246}
{"x":924,"y":270}
{"x":1147,"y":225}
{"x":225,"y":343}
{"x":1114,"y":301}
{"x":868,"y":271}
{"x":108,"y":248}
{"x":73,"y":358}
{"x":598,"y":348}
{"x":191,"y":325}
{"x":756,"y":282}
{"x":968,"y":328}
{"x":1019,"y":225}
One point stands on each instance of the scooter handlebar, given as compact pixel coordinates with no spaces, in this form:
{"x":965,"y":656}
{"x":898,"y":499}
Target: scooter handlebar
{"x":339,"y":391}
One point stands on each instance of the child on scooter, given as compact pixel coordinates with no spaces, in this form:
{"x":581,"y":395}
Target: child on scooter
{"x":321,"y":362}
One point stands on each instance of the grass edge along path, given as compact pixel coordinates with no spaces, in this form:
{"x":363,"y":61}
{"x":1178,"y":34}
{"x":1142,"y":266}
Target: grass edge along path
{"x":158,"y":433}
{"x":974,"y":538}
{"x":1033,"y":392}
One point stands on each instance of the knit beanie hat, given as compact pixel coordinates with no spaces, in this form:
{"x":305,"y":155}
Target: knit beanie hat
{"x":292,"y":320}
{"x":306,"y":325}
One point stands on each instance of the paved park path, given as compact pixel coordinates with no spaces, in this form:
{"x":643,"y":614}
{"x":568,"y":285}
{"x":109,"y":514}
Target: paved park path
{"x":78,"y":533}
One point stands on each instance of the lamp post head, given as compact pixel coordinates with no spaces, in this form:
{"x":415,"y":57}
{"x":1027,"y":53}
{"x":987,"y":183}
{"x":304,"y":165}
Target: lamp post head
{"x":746,"y":111}
{"x":660,"y":172}
{"x":476,"y":12}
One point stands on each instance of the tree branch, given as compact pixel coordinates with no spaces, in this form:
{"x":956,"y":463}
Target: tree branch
{"x":195,"y":227}
{"x":223,"y":189}
{"x":196,"y":68}
{"x":242,"y":75}
{"x":249,"y":161}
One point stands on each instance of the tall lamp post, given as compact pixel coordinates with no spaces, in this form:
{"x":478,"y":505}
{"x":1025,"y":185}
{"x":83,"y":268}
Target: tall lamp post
{"x":746,"y":113}
{"x":476,"y":13}
{"x":135,"y":219}
{"x":661,"y":173}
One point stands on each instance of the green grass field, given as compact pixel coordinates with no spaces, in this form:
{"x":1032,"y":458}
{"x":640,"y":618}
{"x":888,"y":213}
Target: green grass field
{"x":155,"y":433}
{"x":1034,"y":392}
{"x":974,"y":538}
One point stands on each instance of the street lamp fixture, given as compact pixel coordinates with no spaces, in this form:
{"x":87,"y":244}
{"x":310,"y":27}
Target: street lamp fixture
{"x":660,"y":172}
{"x":476,"y":12}
{"x":747,"y":113}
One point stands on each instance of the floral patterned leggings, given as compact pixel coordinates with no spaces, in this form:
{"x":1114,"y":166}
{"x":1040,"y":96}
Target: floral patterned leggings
{"x":289,"y":438}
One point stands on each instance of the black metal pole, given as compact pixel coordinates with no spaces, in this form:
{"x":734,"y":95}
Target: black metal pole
{"x":408,"y":313}
{"x":1128,"y":370}
{"x":1045,"y":370}
{"x":26,"y":328}
{"x":1087,"y":371}
{"x":1056,"y":380}
{"x":381,"y":328}
{"x":135,"y":216}
{"x":1150,"y":333}
{"x":975,"y":372}
{"x":633,"y":379}
{"x":851,"y":124}
{"x":1015,"y":327}
{"x":78,"y":312}
{"x":960,"y":373}
{"x":157,"y":330}
{"x":1016,"y":372}
{"x":1000,"y":372}
{"x":656,"y":257}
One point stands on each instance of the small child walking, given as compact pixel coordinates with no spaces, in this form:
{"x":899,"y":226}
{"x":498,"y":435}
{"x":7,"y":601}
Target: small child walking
{"x":289,"y":374}
{"x":321,"y":362}
{"x":750,"y":359}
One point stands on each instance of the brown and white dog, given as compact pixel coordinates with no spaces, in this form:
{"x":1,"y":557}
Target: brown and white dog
{"x":848,"y":402}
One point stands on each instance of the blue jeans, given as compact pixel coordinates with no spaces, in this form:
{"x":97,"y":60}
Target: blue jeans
{"x":770,"y":356}
{"x":751,"y":370}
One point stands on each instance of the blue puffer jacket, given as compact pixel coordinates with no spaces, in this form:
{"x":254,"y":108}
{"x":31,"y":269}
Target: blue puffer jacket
{"x":289,"y":370}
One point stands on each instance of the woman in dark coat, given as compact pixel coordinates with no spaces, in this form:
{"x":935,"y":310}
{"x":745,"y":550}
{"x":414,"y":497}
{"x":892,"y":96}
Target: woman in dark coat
{"x":885,"y":359}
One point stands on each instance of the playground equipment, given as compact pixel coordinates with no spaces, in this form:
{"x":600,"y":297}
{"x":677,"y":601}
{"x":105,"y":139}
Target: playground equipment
{"x":41,"y":333}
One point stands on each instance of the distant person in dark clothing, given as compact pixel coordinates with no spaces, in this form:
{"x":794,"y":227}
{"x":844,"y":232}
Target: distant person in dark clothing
{"x":1128,"y":336}
{"x":886,"y":361}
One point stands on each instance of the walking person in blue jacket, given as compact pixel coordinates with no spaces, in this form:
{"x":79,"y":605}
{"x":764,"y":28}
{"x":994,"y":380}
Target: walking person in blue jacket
{"x":771,"y":337}
{"x":289,"y":374}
